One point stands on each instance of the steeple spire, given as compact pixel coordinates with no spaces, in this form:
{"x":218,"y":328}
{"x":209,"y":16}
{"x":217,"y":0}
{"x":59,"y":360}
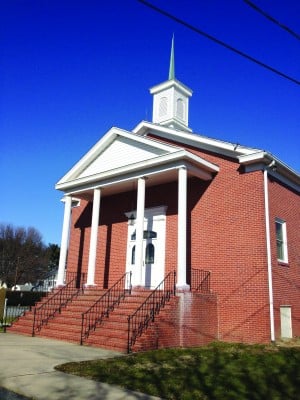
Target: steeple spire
{"x":172,"y":62}
{"x":171,"y":100}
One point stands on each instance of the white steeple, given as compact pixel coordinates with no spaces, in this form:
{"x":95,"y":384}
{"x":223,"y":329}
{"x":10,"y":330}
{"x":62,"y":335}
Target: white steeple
{"x":171,"y":100}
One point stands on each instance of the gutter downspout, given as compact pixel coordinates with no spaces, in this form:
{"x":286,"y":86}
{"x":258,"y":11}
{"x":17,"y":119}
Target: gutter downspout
{"x":269,"y":259}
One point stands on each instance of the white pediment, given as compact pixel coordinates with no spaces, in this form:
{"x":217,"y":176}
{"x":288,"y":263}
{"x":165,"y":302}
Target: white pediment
{"x":121,"y":152}
{"x":115,"y":150}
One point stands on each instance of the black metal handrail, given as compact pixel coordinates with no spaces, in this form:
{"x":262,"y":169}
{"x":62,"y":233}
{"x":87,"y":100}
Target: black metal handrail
{"x":200,"y":281}
{"x":140,"y":319}
{"x":104,"y":305}
{"x":56,"y":301}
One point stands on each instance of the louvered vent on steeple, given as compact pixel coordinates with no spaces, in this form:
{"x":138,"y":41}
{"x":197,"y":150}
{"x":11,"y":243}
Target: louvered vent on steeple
{"x":171,"y":100}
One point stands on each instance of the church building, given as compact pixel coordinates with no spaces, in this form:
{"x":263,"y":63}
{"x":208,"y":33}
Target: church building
{"x":163,"y":199}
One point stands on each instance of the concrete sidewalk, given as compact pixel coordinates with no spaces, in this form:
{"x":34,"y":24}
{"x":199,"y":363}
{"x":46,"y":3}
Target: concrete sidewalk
{"x":27,"y":367}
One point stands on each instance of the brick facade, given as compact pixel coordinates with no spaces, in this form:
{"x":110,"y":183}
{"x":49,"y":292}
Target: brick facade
{"x":226,"y":235}
{"x":285,"y":204}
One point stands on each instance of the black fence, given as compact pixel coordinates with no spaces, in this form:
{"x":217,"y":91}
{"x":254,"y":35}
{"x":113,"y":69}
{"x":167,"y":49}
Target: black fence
{"x":16,"y":303}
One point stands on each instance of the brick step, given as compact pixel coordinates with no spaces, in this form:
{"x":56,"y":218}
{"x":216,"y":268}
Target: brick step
{"x":111,"y":331}
{"x":78,"y":310}
{"x":90,"y":296}
{"x":110,"y":334}
{"x":54,"y":332}
{"x":108,"y":324}
{"x":131,"y":303}
{"x":26,"y":317}
{"x":72,"y":326}
{"x":23,"y":322}
{"x":26,"y":330}
{"x":59,"y":335}
{"x":124,"y":311}
{"x":116,"y":318}
{"x":79,"y":305}
{"x":107,"y":343}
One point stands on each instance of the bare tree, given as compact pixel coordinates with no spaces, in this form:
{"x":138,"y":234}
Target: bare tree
{"x":23,"y":255}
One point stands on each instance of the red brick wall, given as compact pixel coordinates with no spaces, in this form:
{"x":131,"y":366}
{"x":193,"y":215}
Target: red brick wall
{"x":190,"y":320}
{"x":226,"y":235}
{"x":285,"y":204}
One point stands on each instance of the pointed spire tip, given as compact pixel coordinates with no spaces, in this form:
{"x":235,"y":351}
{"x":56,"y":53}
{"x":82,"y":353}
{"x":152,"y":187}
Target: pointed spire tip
{"x":172,"y":61}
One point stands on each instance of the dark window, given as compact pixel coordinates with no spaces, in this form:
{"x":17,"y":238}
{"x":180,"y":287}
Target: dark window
{"x":133,"y":255}
{"x":281,"y":240}
{"x":149,"y":259}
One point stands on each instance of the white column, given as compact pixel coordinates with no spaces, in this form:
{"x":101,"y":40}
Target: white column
{"x":64,"y":241}
{"x":182,"y":215}
{"x":94,"y":238}
{"x":140,"y":211}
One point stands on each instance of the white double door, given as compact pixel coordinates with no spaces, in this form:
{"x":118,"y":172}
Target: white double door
{"x":152,"y":270}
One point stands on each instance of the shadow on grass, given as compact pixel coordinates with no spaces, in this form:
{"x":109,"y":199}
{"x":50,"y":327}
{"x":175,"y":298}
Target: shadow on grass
{"x":218,"y":371}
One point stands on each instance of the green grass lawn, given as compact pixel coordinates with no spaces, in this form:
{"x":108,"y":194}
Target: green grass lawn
{"x":218,"y":371}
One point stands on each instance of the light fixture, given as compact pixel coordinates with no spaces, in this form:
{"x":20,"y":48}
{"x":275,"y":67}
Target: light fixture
{"x":131,"y":220}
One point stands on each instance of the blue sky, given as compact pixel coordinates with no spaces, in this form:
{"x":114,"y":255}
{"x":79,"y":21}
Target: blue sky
{"x":70,"y":70}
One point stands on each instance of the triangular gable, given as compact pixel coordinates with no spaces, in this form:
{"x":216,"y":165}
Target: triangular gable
{"x":116,"y":149}
{"x":121,"y":152}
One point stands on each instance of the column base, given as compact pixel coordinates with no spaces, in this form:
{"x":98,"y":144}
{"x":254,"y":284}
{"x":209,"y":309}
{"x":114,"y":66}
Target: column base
{"x":90,"y":285}
{"x":139,"y":287}
{"x":183,"y":288}
{"x":59,"y":285}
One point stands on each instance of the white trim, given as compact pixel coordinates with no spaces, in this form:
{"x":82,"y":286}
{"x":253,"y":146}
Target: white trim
{"x":103,"y":143}
{"x":277,"y":169}
{"x":269,"y":256}
{"x":202,"y":142}
{"x":285,"y":258}
{"x":169,"y":84}
{"x":156,"y":212}
{"x":244,"y":155}
{"x":159,"y":161}
{"x":274,"y":174}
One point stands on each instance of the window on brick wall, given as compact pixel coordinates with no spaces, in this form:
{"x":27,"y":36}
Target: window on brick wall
{"x":281,"y":240}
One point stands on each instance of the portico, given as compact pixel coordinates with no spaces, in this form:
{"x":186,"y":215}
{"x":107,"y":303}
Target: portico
{"x":176,"y":166}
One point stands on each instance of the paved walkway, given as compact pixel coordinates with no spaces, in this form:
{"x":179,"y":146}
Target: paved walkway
{"x":27,"y":367}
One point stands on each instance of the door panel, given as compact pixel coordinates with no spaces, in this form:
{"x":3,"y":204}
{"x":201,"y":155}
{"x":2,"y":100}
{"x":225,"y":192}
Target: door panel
{"x":153,"y":267}
{"x":286,"y":322}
